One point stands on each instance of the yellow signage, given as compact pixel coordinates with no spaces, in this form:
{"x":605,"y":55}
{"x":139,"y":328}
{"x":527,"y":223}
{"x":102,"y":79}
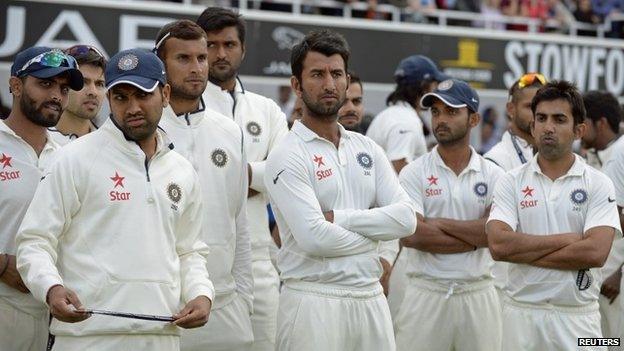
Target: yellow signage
{"x":468,"y":50}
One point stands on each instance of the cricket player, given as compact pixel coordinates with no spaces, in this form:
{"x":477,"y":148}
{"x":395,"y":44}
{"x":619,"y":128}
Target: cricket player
{"x":264,"y":125}
{"x":554,"y":218}
{"x":516,"y":145}
{"x":84,"y":105}
{"x":449,"y":266}
{"x":214,"y":145}
{"x":41,"y":79}
{"x":352,"y":111}
{"x":115,"y":225}
{"x":335,"y":197}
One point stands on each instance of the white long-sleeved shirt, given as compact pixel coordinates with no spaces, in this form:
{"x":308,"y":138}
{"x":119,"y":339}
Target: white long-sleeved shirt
{"x":307,"y":175}
{"x":121,"y":232}
{"x":213,"y":144}
{"x":20,"y":171}
{"x":264,"y":126}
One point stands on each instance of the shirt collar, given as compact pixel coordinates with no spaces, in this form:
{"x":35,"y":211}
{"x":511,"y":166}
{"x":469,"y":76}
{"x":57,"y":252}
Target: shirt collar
{"x":473,"y":165}
{"x":308,"y":135}
{"x":163,"y":143}
{"x":238,"y":87}
{"x":50,"y":143}
{"x":577,"y":169}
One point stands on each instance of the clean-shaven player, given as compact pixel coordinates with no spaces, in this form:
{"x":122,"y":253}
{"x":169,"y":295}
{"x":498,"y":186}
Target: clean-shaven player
{"x":335,"y":197}
{"x":41,"y":79}
{"x":554,"y":218}
{"x":450,"y":301}
{"x":516,"y":145}
{"x":264,"y":125}
{"x":84,"y":105}
{"x":213,"y":144}
{"x":115,"y":225}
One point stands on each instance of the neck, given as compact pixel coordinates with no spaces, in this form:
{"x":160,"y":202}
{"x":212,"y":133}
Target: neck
{"x":456,"y":155}
{"x":69,"y":123}
{"x":181,"y":106}
{"x":148,"y":146}
{"x":602,"y":143}
{"x":519,"y":133}
{"x":228,"y":85}
{"x":326,"y":128}
{"x":556,"y":167}
{"x":35,"y":135}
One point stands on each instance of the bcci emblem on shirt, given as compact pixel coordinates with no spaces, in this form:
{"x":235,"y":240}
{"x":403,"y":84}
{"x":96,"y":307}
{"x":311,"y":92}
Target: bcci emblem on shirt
{"x":481,"y":190}
{"x":366,"y":161}
{"x":255,"y":130}
{"x":219,"y":158}
{"x":578,"y":197}
{"x":175,"y":194}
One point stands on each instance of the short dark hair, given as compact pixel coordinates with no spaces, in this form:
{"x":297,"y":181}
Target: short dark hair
{"x":323,"y":41}
{"x":90,"y":56}
{"x":182,"y":29}
{"x":561,"y":89}
{"x":408,"y":92}
{"x":600,"y":104}
{"x":217,"y":18}
{"x":355,"y":79}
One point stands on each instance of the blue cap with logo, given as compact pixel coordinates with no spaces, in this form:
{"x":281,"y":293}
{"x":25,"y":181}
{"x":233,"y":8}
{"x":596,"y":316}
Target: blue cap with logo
{"x":416,"y":68}
{"x":454,"y":93}
{"x":44,"y":62}
{"x":137,"y":67}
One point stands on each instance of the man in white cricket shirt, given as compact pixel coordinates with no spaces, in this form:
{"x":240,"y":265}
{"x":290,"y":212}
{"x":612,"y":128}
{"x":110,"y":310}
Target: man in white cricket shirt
{"x":554,"y":219}
{"x":450,"y":301}
{"x":213,"y":144}
{"x":115,"y":225}
{"x":264,"y":125}
{"x":40,"y":82}
{"x":516,"y":145}
{"x":335,"y":197}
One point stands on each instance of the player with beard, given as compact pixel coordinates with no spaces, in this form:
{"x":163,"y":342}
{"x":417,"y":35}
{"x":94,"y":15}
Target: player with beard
{"x":214,"y":145}
{"x":351,"y":113}
{"x":264,"y":125}
{"x":554,"y":219}
{"x":331,"y":228}
{"x":115,"y":225}
{"x":41,"y":79}
{"x":449,"y":266}
{"x":84,"y":105}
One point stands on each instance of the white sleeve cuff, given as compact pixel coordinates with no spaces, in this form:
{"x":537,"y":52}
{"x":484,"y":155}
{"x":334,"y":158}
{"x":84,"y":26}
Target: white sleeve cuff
{"x":257,"y":176}
{"x":40,"y":292}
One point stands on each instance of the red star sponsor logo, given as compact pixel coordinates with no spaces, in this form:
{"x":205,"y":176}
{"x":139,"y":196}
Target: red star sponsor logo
{"x":432,"y":180}
{"x":528,"y":191}
{"x":6,"y":161}
{"x":118,"y":180}
{"x":319,"y":161}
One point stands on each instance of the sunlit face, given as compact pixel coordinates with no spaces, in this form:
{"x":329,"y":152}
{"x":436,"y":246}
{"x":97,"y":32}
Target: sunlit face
{"x":519,"y":110}
{"x":186,"y":62}
{"x":225,"y":54}
{"x":42,"y":100}
{"x":137,"y":112}
{"x":87,"y":102}
{"x":554,"y":130}
{"x":451,"y":125}
{"x":351,"y":113}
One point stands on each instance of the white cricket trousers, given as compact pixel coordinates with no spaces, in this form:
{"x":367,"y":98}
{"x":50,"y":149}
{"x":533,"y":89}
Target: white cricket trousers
{"x":611,"y":316}
{"x":530,"y":327}
{"x":114,"y":342}
{"x":20,"y":331}
{"x":461,"y":316}
{"x":397,"y":284}
{"x":319,"y":317}
{"x":266,"y":301}
{"x":228,"y":329}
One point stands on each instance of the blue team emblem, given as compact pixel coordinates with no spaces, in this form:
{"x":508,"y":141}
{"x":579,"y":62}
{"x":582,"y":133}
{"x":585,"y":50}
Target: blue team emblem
{"x":365,"y":160}
{"x":578,"y":196}
{"x":480,"y":189}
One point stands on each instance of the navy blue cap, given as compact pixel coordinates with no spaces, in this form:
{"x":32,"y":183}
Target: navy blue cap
{"x":455,"y":93}
{"x":31,"y":62}
{"x":137,"y":67}
{"x":416,"y":68}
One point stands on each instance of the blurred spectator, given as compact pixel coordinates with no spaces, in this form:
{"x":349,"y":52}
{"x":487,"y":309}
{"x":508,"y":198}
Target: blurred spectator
{"x":559,"y":15}
{"x":585,"y":14}
{"x":491,"y":15}
{"x":416,"y":10}
{"x":489,"y":135}
{"x":4,"y":111}
{"x":603,"y":8}
{"x":285,"y":99}
{"x":297,"y":112}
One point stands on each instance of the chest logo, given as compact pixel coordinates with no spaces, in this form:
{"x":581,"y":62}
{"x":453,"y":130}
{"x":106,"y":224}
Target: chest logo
{"x":480,"y":189}
{"x":319,"y":161}
{"x":365,"y":160}
{"x":321,"y":173}
{"x":432,"y":192}
{"x":528,"y":193}
{"x":174,"y":192}
{"x":578,"y":196}
{"x":116,"y":195}
{"x":5,"y":160}
{"x":219,"y":158}
{"x":254,"y":129}
{"x":432,"y":180}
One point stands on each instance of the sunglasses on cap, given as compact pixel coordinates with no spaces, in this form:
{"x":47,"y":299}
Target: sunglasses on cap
{"x":530,"y":78}
{"x":80,"y":51}
{"x":53,"y":58}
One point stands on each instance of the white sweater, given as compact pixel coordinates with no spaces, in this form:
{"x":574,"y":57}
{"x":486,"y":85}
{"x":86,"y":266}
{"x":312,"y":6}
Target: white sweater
{"x":120,"y":232}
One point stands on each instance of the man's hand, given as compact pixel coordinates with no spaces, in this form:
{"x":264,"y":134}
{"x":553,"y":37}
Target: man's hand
{"x":611,"y":286}
{"x":385,"y":276}
{"x":329,"y":216}
{"x":250,"y":192}
{"x":194,"y":314}
{"x":11,"y":276}
{"x":59,"y":299}
{"x":276,"y":237}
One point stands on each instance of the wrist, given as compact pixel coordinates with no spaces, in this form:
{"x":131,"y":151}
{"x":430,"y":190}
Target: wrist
{"x":4,"y":265}
{"x":50,"y":292}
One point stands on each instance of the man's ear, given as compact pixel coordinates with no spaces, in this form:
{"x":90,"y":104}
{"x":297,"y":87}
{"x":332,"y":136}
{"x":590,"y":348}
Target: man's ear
{"x":166,"y":94}
{"x":474,"y":119}
{"x":16,"y":86}
{"x":296,"y":86}
{"x":579,"y":130}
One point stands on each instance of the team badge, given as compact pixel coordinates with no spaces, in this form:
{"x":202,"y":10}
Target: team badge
{"x":365,"y":160}
{"x":254,"y":128}
{"x":578,"y":196}
{"x":128,"y":62}
{"x":219,"y":158}
{"x":445,"y":85}
{"x":174,"y":192}
{"x":480,"y":189}
{"x":583,"y":279}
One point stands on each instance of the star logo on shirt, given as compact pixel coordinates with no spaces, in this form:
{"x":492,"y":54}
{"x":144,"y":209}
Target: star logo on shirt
{"x":118,"y":180}
{"x":432,"y":180}
{"x":6,"y":161}
{"x":319,"y":161}
{"x":528,"y":191}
